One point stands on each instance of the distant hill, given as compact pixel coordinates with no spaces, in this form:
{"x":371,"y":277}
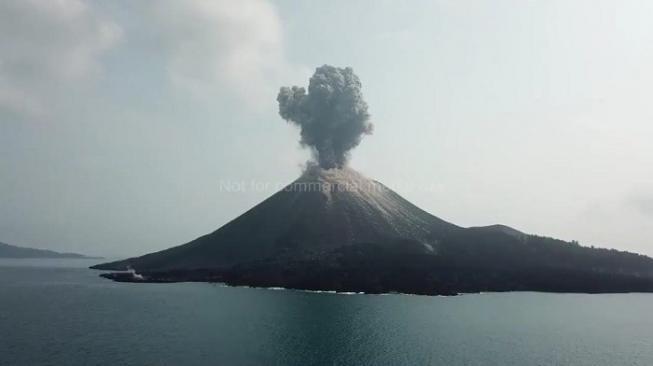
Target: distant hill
{"x":12,"y":251}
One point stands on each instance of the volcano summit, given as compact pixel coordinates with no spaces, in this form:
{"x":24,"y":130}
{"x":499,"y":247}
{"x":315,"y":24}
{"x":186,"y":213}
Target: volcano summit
{"x":334,"y":229}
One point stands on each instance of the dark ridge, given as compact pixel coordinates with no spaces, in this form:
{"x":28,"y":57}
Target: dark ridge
{"x":504,"y":229}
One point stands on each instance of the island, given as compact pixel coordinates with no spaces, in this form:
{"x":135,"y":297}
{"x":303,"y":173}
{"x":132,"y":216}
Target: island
{"x":336,"y":230}
{"x":12,"y":251}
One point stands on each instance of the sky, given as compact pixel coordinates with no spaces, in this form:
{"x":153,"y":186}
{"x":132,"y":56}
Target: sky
{"x":128,"y":127}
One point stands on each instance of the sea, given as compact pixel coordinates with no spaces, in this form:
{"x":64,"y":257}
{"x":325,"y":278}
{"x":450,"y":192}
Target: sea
{"x":59,"y":312}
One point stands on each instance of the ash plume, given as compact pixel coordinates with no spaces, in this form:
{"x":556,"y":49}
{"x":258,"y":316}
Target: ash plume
{"x":332,"y":116}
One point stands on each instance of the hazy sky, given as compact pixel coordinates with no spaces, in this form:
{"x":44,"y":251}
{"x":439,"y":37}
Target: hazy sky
{"x":121,"y":121}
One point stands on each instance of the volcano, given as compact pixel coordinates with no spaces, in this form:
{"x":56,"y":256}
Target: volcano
{"x":321,"y":211}
{"x":334,"y":229}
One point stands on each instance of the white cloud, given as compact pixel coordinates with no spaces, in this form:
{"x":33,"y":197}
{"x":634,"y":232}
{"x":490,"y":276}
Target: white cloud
{"x":45,"y":47}
{"x":208,"y":49}
{"x":222,"y":44}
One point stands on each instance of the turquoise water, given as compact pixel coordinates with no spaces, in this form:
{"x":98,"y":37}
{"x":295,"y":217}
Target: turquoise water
{"x":60,"y":313}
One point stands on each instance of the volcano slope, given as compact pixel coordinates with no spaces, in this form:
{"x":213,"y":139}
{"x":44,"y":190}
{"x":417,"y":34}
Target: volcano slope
{"x":337,"y":230}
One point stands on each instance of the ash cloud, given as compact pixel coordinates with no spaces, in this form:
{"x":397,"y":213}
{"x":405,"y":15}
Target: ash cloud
{"x":332,"y":115}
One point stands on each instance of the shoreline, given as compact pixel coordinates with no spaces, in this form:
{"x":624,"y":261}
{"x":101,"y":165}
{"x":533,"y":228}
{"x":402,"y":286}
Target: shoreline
{"x":161,"y":278}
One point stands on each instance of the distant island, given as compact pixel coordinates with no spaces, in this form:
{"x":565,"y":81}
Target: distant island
{"x":12,"y":251}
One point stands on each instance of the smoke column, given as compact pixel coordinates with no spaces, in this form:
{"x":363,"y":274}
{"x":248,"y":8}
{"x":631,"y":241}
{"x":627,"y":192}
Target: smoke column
{"x":332,"y":116}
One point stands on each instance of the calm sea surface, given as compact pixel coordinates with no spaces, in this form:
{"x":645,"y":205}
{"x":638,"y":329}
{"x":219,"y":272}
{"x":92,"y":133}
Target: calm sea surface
{"x":57,"y":312}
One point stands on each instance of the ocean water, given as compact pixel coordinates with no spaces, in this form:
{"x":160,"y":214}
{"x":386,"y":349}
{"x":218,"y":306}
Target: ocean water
{"x":57,"y":312}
